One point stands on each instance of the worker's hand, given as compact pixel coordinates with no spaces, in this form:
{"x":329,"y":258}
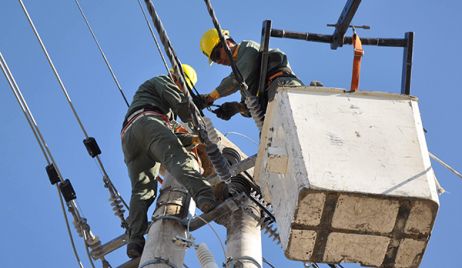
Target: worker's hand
{"x":203,"y":101}
{"x":227,"y":110}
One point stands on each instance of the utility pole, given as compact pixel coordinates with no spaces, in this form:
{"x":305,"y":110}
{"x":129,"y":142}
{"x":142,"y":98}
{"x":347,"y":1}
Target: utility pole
{"x":244,"y":249}
{"x":172,"y":207}
{"x":244,"y":238}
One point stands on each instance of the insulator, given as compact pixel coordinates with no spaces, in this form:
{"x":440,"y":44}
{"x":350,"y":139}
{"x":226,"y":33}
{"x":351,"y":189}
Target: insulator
{"x":271,"y":232}
{"x":78,"y":227}
{"x":255,"y":110}
{"x":218,"y":161}
{"x":239,"y":184}
{"x":117,"y":207}
{"x":205,"y":257}
{"x":231,"y":155}
{"x":211,"y":132}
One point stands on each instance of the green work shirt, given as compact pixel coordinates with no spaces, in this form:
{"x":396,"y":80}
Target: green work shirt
{"x":161,"y":92}
{"x":248,"y":63}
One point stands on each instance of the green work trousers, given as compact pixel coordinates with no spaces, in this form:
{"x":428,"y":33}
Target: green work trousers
{"x":148,"y":143}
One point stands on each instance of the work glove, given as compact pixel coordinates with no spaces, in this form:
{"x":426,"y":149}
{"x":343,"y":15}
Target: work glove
{"x":227,"y":110}
{"x":202,"y":101}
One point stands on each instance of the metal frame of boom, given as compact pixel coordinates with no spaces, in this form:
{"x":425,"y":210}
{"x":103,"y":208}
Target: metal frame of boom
{"x":338,"y":39}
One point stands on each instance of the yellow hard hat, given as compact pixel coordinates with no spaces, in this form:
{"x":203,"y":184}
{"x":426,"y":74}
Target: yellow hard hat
{"x":190,"y":73}
{"x":210,"y":40}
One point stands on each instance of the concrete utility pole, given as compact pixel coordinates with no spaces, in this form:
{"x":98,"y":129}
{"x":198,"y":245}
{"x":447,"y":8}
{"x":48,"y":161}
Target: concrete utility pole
{"x":244,"y":238}
{"x":172,"y":204}
{"x":244,"y":249}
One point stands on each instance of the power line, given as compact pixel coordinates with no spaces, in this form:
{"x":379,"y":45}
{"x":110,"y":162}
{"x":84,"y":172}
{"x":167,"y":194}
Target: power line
{"x":90,"y":142}
{"x":457,"y":173}
{"x":114,"y":77}
{"x":155,"y":39}
{"x":43,"y":146}
{"x":269,"y":263}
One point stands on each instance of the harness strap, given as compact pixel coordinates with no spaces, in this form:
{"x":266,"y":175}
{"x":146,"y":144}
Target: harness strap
{"x":140,"y":113}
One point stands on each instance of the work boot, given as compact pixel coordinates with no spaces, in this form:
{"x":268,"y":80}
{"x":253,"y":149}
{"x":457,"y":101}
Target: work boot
{"x":221,"y":191}
{"x":134,"y":250}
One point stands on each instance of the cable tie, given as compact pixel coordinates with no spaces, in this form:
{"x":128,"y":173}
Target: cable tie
{"x":67,"y":190}
{"x":52,"y":174}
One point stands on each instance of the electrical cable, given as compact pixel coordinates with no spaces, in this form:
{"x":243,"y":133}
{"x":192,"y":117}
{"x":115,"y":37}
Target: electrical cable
{"x":68,"y":228}
{"x":155,"y":40}
{"x":213,"y":230}
{"x":66,"y":94}
{"x":89,"y":256}
{"x":251,"y":101}
{"x":434,"y":157}
{"x":114,"y":77}
{"x":43,"y":146}
{"x":242,"y":135}
{"x":267,"y":262}
{"x":215,"y":156}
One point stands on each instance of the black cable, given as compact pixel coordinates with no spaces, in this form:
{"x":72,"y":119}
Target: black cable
{"x":267,"y":262}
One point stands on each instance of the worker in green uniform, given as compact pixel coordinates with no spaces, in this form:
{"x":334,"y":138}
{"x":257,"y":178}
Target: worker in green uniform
{"x":148,"y":141}
{"x":247,"y":58}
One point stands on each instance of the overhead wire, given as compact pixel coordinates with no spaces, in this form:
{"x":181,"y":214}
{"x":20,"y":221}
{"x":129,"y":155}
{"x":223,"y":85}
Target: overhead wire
{"x":106,"y":178}
{"x":241,"y":135}
{"x":114,"y":77}
{"x":218,"y":161}
{"x":155,"y":39}
{"x":444,"y":164}
{"x":251,"y":101}
{"x":42,"y":144}
{"x":269,"y":263}
{"x":213,"y":230}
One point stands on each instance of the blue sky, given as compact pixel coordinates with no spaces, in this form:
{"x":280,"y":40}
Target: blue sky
{"x":34,"y":234}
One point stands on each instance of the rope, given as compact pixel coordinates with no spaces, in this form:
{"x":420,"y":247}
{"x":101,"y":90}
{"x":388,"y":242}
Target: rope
{"x":155,"y":39}
{"x":64,"y":90}
{"x":457,"y":173}
{"x":41,"y":141}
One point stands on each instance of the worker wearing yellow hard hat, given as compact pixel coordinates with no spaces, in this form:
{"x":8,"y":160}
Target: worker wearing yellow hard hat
{"x":148,"y":141}
{"x":247,"y":58}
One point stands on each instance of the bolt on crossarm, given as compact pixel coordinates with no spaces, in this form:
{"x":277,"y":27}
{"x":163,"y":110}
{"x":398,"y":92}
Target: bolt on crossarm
{"x":251,"y":101}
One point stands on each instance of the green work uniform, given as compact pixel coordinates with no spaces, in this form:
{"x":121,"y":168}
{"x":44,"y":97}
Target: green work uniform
{"x":248,"y":63}
{"x":150,"y":142}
